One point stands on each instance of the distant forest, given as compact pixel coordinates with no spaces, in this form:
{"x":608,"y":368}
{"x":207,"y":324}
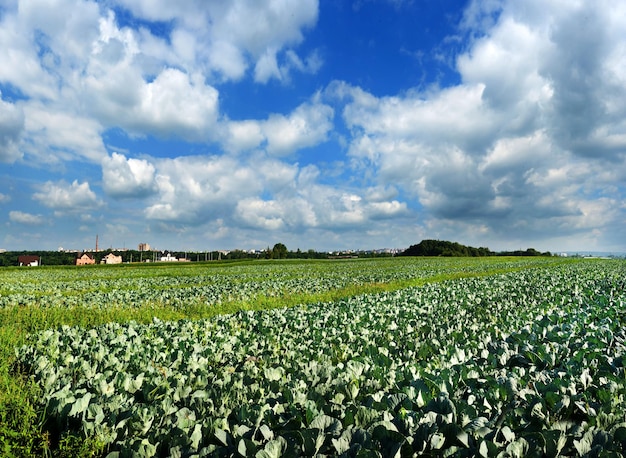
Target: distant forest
{"x":454,"y":249}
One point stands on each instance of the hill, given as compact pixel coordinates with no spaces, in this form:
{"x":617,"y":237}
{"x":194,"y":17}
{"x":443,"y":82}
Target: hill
{"x":445,"y":248}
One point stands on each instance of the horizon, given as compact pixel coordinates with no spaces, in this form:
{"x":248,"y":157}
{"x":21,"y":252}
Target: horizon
{"x":156,"y":249}
{"x":318,"y":124}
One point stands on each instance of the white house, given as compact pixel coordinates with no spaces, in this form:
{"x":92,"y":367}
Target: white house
{"x":169,"y":258}
{"x":111,"y":259}
{"x":29,"y":260}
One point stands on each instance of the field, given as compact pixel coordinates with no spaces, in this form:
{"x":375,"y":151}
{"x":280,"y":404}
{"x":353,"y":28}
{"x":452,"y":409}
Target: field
{"x":382,"y":357}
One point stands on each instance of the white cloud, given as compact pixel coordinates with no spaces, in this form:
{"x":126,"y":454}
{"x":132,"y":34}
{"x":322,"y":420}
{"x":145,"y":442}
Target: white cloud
{"x":55,"y":134}
{"x":267,"y":67}
{"x":262,"y":214}
{"x":516,"y":87}
{"x":25,"y":218}
{"x":518,"y":154}
{"x":262,"y":29}
{"x":524,"y":144}
{"x":261,"y":194}
{"x":385,"y":210}
{"x":310,"y":65}
{"x":243,"y":135}
{"x":226,"y":37}
{"x":11,"y":128}
{"x":308,"y":125}
{"x":128,"y":177}
{"x":74,"y":197}
{"x":306,"y":205}
{"x":174,"y":104}
{"x":423,"y":126}
{"x":198,"y":189}
{"x":83,"y":73}
{"x":227,"y":59}
{"x":21,"y":66}
{"x":70,"y":34}
{"x":4,"y":198}
{"x":531,"y":140}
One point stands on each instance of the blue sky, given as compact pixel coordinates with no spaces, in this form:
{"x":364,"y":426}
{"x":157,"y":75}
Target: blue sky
{"x":330,"y":125}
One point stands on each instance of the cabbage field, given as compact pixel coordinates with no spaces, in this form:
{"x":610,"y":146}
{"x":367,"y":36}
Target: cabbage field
{"x":438,"y":357}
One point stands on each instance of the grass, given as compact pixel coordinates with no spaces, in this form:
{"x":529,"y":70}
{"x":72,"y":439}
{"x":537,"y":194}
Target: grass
{"x":22,"y":429}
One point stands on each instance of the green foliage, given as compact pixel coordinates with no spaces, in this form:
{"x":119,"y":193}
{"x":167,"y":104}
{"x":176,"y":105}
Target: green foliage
{"x":523,"y":363}
{"x":33,"y":300}
{"x":10,"y":258}
{"x":180,"y":285}
{"x":17,"y":417}
{"x":279,"y":251}
{"x":454,"y":249}
{"x":444,"y":248}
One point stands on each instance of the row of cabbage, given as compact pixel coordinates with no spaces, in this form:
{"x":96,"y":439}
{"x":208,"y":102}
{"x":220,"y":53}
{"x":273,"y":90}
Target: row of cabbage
{"x":173,"y":285}
{"x":526,"y":363}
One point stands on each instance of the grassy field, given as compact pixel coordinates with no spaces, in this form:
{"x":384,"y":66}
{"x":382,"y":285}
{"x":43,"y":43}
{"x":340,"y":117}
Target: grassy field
{"x":68,"y":391}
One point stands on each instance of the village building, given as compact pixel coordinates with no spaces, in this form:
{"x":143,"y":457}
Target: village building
{"x":29,"y":260}
{"x":84,"y":259}
{"x":111,"y":259}
{"x":169,"y":258}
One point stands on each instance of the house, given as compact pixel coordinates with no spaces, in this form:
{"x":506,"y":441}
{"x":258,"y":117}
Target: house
{"x":84,"y":259}
{"x":111,"y":259}
{"x":169,"y":258}
{"x":28,"y":260}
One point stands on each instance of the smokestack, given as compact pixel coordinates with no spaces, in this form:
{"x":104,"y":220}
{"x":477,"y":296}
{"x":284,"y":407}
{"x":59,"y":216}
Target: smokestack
{"x":96,"y":243}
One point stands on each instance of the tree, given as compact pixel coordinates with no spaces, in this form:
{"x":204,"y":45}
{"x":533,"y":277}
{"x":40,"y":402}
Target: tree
{"x":444,"y":248}
{"x":279,"y":251}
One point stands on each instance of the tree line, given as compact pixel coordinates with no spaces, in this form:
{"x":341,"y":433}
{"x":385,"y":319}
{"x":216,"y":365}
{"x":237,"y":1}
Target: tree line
{"x":431,"y":247}
{"x":427,"y":247}
{"x":67,"y":258}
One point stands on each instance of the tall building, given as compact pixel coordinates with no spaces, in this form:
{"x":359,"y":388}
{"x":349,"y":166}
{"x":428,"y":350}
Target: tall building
{"x":144,"y":247}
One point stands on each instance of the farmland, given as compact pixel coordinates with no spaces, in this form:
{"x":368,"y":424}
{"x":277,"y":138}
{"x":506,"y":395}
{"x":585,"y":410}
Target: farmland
{"x":387,"y":357}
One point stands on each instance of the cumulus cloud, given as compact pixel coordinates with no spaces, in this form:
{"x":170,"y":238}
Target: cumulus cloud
{"x":524,"y":140}
{"x":261,"y":214}
{"x":4,"y":198}
{"x":74,"y":197}
{"x":198,"y":189}
{"x":530,"y":141}
{"x":304,"y":204}
{"x":11,"y":128}
{"x":268,"y":66}
{"x":281,"y":135}
{"x":243,"y":135}
{"x":25,"y":218}
{"x":18,"y":53}
{"x":86,"y":72}
{"x":585,"y":79}
{"x":307,"y":126}
{"x":263,"y":194}
{"x":229,"y":37}
{"x":174,"y":104}
{"x":56,"y":135}
{"x":128,"y":177}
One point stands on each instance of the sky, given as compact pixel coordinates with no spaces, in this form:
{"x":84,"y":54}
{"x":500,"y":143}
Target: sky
{"x":325,"y":125}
